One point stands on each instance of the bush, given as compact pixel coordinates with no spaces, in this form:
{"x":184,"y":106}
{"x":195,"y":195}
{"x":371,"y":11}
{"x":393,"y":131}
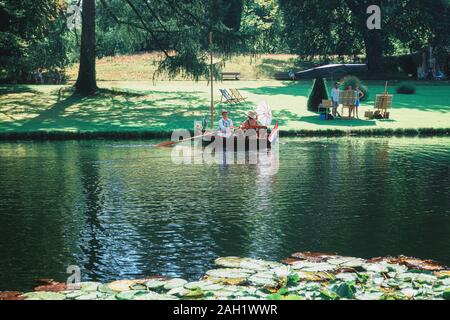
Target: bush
{"x":355,"y":82}
{"x":406,"y":88}
{"x":318,"y":93}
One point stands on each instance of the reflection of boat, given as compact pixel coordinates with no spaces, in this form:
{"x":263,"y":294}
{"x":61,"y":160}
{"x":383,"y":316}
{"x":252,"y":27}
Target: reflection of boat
{"x":238,"y":143}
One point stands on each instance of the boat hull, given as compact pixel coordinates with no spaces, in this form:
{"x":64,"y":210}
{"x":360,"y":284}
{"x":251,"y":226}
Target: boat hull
{"x":236,"y":144}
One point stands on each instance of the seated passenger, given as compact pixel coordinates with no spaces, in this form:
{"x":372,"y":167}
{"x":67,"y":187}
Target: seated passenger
{"x":252,"y":122}
{"x":225,"y":125}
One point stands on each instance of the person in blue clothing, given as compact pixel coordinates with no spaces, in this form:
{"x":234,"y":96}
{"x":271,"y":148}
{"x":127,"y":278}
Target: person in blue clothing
{"x":225,"y":125}
{"x":359,"y":96}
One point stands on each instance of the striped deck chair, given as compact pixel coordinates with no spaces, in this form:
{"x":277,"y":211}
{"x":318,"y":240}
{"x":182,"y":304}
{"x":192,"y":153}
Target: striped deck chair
{"x":237,"y":95}
{"x":227,"y":96}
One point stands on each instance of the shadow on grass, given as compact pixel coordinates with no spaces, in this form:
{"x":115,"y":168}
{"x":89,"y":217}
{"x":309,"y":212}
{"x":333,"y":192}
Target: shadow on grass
{"x":110,"y":110}
{"x":338,"y":123}
{"x":298,"y":89}
{"x":8,"y":89}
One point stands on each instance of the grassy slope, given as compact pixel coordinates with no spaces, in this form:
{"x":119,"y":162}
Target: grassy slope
{"x":165,"y":106}
{"x":141,"y":67}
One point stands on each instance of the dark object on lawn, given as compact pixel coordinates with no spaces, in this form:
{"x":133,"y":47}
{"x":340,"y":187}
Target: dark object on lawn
{"x":332,"y":70}
{"x":318,"y":93}
{"x":406,"y":88}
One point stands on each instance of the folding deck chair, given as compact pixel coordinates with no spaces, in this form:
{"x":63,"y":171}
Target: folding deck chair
{"x":227,"y":96}
{"x":237,"y":95}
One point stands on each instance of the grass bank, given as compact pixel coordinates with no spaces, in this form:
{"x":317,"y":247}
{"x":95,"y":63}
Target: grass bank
{"x":151,"y":110}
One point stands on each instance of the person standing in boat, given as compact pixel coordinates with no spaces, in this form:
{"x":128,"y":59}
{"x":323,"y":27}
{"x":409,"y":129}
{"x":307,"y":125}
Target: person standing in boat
{"x":225,"y":125}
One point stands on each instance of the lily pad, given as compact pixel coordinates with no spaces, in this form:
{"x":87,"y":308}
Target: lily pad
{"x":345,"y":290}
{"x":203,"y":285}
{"x":237,"y":273}
{"x":264,"y":279}
{"x":129,"y":295}
{"x":42,"y":295}
{"x":90,"y":296}
{"x":246,"y":263}
{"x":155,"y":284}
{"x":446,"y":294}
{"x":174,"y":283}
{"x":154,"y":296}
{"x":121,"y":285}
{"x":89,"y":286}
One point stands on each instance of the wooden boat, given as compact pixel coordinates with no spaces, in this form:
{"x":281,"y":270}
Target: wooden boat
{"x":238,"y":143}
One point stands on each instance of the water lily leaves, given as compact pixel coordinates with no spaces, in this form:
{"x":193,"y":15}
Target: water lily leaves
{"x":174,"y":283}
{"x":328,"y":295}
{"x":155,"y":284}
{"x":42,"y":295}
{"x":194,"y":294}
{"x":369,"y":296}
{"x":11,"y":295}
{"x":246,"y":263}
{"x":74,"y":294}
{"x":90,"y":296}
{"x":52,"y":287}
{"x":89,"y":286}
{"x":345,"y":290}
{"x":154,"y":296}
{"x":320,"y":267}
{"x":129,"y":295}
{"x":121,"y":285}
{"x":376,"y":267}
{"x":228,"y":262}
{"x":179,"y":292}
{"x":264,"y":279}
{"x":446,"y":294}
{"x":314,"y":276}
{"x":313,"y":256}
{"x":229,"y":276}
{"x":414,"y":263}
{"x":442,"y":274}
{"x":203,"y":285}
{"x":347,"y":262}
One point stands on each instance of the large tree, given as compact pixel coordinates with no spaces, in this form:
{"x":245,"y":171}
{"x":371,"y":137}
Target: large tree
{"x":86,"y":83}
{"x":329,"y":27}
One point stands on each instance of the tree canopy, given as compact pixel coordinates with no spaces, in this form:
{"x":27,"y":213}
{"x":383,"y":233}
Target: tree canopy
{"x":34,"y":35}
{"x":339,"y":27}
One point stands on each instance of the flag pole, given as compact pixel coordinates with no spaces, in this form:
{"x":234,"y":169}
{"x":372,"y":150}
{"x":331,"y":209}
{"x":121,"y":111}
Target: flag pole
{"x":212,"y":80}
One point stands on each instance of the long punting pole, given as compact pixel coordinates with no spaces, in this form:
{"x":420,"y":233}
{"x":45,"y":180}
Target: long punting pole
{"x":212,"y":80}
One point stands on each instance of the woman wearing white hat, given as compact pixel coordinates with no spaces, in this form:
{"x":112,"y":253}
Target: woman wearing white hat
{"x":252,"y":122}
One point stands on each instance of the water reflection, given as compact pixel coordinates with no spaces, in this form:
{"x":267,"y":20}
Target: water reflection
{"x":125,"y":210}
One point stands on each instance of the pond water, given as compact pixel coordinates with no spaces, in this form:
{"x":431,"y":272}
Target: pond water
{"x":122,"y":209}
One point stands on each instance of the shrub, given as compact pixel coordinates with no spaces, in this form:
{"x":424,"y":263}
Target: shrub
{"x":406,"y":88}
{"x":355,"y":82}
{"x":318,"y":93}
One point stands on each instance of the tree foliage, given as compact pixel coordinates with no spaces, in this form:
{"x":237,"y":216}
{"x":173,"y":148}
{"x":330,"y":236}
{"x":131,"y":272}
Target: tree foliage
{"x":31,"y":37}
{"x":339,"y":27}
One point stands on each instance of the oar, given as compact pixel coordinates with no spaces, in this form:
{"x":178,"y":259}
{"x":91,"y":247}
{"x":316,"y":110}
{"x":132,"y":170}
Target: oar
{"x":169,"y":144}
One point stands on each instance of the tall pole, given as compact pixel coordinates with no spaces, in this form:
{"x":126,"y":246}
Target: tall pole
{"x":212,"y":80}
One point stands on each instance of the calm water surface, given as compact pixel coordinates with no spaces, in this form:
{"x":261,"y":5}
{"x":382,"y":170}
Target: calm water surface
{"x":122,"y":209}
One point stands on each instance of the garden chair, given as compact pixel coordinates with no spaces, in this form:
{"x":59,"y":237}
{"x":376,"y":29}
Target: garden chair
{"x":237,"y":95}
{"x":227,"y":96}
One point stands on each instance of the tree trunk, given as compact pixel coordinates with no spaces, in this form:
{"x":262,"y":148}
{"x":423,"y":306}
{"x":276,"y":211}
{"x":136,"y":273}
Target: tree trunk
{"x":374,"y":50}
{"x":373,"y":39}
{"x":86,"y":83}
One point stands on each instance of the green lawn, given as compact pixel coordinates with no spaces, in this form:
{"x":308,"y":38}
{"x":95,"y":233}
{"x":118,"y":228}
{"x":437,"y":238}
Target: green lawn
{"x":165,"y":106}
